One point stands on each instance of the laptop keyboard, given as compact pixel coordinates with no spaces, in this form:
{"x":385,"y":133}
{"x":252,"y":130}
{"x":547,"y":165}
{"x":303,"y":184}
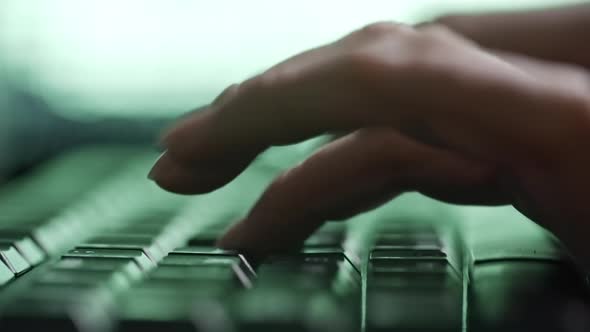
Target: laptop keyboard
{"x":87,"y":244}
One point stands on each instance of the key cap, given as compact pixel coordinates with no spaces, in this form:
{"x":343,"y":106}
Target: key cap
{"x":285,"y":309}
{"x":215,"y":268}
{"x":168,"y":295}
{"x":137,"y":255}
{"x":168,"y":314}
{"x":311,"y":270}
{"x":202,"y":275}
{"x":26,"y":247}
{"x":5,"y":274}
{"x":197,"y":252}
{"x":49,"y":237}
{"x":145,"y":243}
{"x":325,"y":312}
{"x":114,"y":280}
{"x":124,"y":265}
{"x":409,"y":238}
{"x":390,"y":254}
{"x":414,"y":287}
{"x":270,"y":309}
{"x":18,"y":232}
{"x":13,"y":259}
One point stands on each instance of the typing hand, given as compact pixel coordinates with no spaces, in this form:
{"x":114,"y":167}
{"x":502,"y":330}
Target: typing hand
{"x":425,"y":110}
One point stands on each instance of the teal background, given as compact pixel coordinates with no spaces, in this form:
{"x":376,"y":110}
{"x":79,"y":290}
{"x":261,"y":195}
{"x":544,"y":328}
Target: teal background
{"x":164,"y":57}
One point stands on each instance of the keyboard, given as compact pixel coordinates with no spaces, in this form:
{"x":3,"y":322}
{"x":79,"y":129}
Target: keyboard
{"x":88,"y":244}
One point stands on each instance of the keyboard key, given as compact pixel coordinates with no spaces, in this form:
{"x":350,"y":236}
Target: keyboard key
{"x":285,"y":309}
{"x":311,"y":271}
{"x":145,"y":243}
{"x":137,"y":255}
{"x":114,"y":280}
{"x":49,"y":237}
{"x":27,"y":248}
{"x":413,"y":287}
{"x":18,"y":232}
{"x":5,"y":274}
{"x":270,"y":309}
{"x":196,"y":258}
{"x":13,"y":259}
{"x":184,"y":259}
{"x":407,"y":240}
{"x":183,"y":293}
{"x":203,"y":267}
{"x":170,"y":314}
{"x":124,"y":265}
{"x":325,"y":312}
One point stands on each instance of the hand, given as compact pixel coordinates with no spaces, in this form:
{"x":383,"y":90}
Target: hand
{"x":425,"y":109}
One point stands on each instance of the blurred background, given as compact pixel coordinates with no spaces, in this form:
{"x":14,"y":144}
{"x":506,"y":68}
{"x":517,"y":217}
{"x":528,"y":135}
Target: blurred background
{"x":148,"y":58}
{"x":84,"y":71}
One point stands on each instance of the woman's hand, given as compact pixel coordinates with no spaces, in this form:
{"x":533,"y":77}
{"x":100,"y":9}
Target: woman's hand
{"x":426,"y":110}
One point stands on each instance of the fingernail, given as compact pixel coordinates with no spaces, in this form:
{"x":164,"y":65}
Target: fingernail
{"x":156,"y":169}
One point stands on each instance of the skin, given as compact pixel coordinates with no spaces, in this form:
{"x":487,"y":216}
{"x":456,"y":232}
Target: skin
{"x":425,"y":108}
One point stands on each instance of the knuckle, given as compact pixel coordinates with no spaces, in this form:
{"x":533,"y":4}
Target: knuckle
{"x":226,"y":94}
{"x":580,"y":79}
{"x":382,"y":29}
{"x":437,"y":32}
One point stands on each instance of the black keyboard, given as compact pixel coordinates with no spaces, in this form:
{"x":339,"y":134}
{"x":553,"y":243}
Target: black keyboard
{"x":88,"y":244}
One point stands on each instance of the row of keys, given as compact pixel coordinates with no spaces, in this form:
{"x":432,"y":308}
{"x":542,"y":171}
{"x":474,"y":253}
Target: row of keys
{"x":282,"y":293}
{"x":78,"y":292}
{"x":29,"y":203}
{"x":42,"y":216}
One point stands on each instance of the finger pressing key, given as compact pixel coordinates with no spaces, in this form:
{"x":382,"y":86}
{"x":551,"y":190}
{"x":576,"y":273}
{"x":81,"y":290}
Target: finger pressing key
{"x":348,"y":176}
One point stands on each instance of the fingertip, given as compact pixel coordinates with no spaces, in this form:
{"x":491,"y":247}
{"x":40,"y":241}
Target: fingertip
{"x":173,"y":176}
{"x":158,"y":168}
{"x":261,"y":238}
{"x":181,"y":178}
{"x":227,"y":241}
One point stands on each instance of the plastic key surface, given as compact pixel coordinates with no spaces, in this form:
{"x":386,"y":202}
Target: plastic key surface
{"x":5,"y":274}
{"x":412,"y":284}
{"x":137,"y":255}
{"x":26,"y":247}
{"x":13,"y":259}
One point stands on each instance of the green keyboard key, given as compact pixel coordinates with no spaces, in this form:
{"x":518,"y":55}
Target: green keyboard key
{"x":139,"y":256}
{"x":13,"y":259}
{"x":5,"y":274}
{"x":125,"y":265}
{"x":26,"y":247}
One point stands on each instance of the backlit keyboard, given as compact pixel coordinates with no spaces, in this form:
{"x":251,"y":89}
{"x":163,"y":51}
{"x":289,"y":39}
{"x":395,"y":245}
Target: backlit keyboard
{"x":88,"y":244}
